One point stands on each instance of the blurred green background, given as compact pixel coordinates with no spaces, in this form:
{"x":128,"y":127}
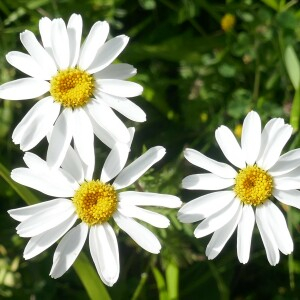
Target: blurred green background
{"x":202,"y":64}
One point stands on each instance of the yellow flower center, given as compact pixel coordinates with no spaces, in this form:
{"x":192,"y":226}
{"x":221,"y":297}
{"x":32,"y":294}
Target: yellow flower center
{"x":253,"y":185}
{"x":95,"y":202}
{"x":72,"y":87}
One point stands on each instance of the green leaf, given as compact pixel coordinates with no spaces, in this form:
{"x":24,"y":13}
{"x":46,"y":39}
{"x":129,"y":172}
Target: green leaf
{"x":161,"y":284}
{"x":148,"y":4}
{"x":295,"y":111}
{"x":172,"y":276}
{"x":21,"y":190}
{"x":90,"y":279}
{"x":293,"y":66}
{"x":272,"y":3}
{"x":227,"y":70}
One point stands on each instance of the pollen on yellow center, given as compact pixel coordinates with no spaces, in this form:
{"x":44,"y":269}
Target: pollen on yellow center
{"x":72,"y":87}
{"x":253,"y":185}
{"x":95,"y":202}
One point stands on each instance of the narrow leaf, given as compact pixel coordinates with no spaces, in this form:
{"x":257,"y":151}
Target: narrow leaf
{"x":272,"y":3}
{"x":293,"y":66}
{"x":295,"y":111}
{"x":161,"y":284}
{"x":21,"y":190}
{"x":90,"y":279}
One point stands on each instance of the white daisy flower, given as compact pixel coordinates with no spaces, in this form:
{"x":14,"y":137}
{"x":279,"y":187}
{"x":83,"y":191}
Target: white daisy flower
{"x":94,"y":203}
{"x":79,"y":87}
{"x":262,"y":173}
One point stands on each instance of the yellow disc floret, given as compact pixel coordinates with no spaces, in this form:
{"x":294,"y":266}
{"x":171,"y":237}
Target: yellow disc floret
{"x":95,"y":202}
{"x":253,"y":185}
{"x":72,"y":87}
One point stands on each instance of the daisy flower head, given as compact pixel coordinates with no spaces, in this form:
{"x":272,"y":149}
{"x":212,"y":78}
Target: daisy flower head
{"x":92,"y":205}
{"x":245,"y":194}
{"x":77,"y":86}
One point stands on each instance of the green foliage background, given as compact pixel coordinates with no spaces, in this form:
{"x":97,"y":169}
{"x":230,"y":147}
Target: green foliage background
{"x":196,"y":77}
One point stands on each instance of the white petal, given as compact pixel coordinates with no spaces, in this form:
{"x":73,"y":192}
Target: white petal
{"x":279,"y":228}
{"x":45,"y":25}
{"x":200,"y":160}
{"x":140,"y":234}
{"x":88,"y":170}
{"x":206,"y":181}
{"x":119,"y":88}
{"x":251,"y":137}
{"x":267,"y":235}
{"x":105,"y":252}
{"x":95,"y":39}
{"x":103,"y":115}
{"x":230,"y":147}
{"x":36,"y":124}
{"x":68,"y":249}
{"x":218,"y":219}
{"x":32,"y":114}
{"x":150,"y":217}
{"x":40,"y":55}
{"x":22,"y":127}
{"x":23,"y":213}
{"x":286,"y":163}
{"x":293,"y":174}
{"x":116,"y":159}
{"x":286,"y":182}
{"x":108,"y":53}
{"x":74,"y":29}
{"x":47,"y":219}
{"x":204,"y":206}
{"x":35,"y":115}
{"x":103,"y":135}
{"x":268,"y":133}
{"x":274,"y":147}
{"x":83,"y":135}
{"x":137,"y":168}
{"x":67,"y":176}
{"x":34,"y":162}
{"x":72,"y":165}
{"x":26,"y":64}
{"x":60,"y":43}
{"x":149,"y":199}
{"x":50,"y":183}
{"x":291,"y":197}
{"x":222,"y":235}
{"x":23,"y":89}
{"x":60,"y":138}
{"x":43,"y":241}
{"x":244,"y":234}
{"x":116,"y":71}
{"x":124,"y":106}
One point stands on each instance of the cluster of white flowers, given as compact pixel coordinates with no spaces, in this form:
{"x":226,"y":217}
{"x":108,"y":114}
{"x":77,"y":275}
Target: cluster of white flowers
{"x":78,"y":88}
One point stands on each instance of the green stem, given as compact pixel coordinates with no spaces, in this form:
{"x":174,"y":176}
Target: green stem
{"x":256,"y":76}
{"x":139,"y":288}
{"x":224,"y":292}
{"x":291,"y":257}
